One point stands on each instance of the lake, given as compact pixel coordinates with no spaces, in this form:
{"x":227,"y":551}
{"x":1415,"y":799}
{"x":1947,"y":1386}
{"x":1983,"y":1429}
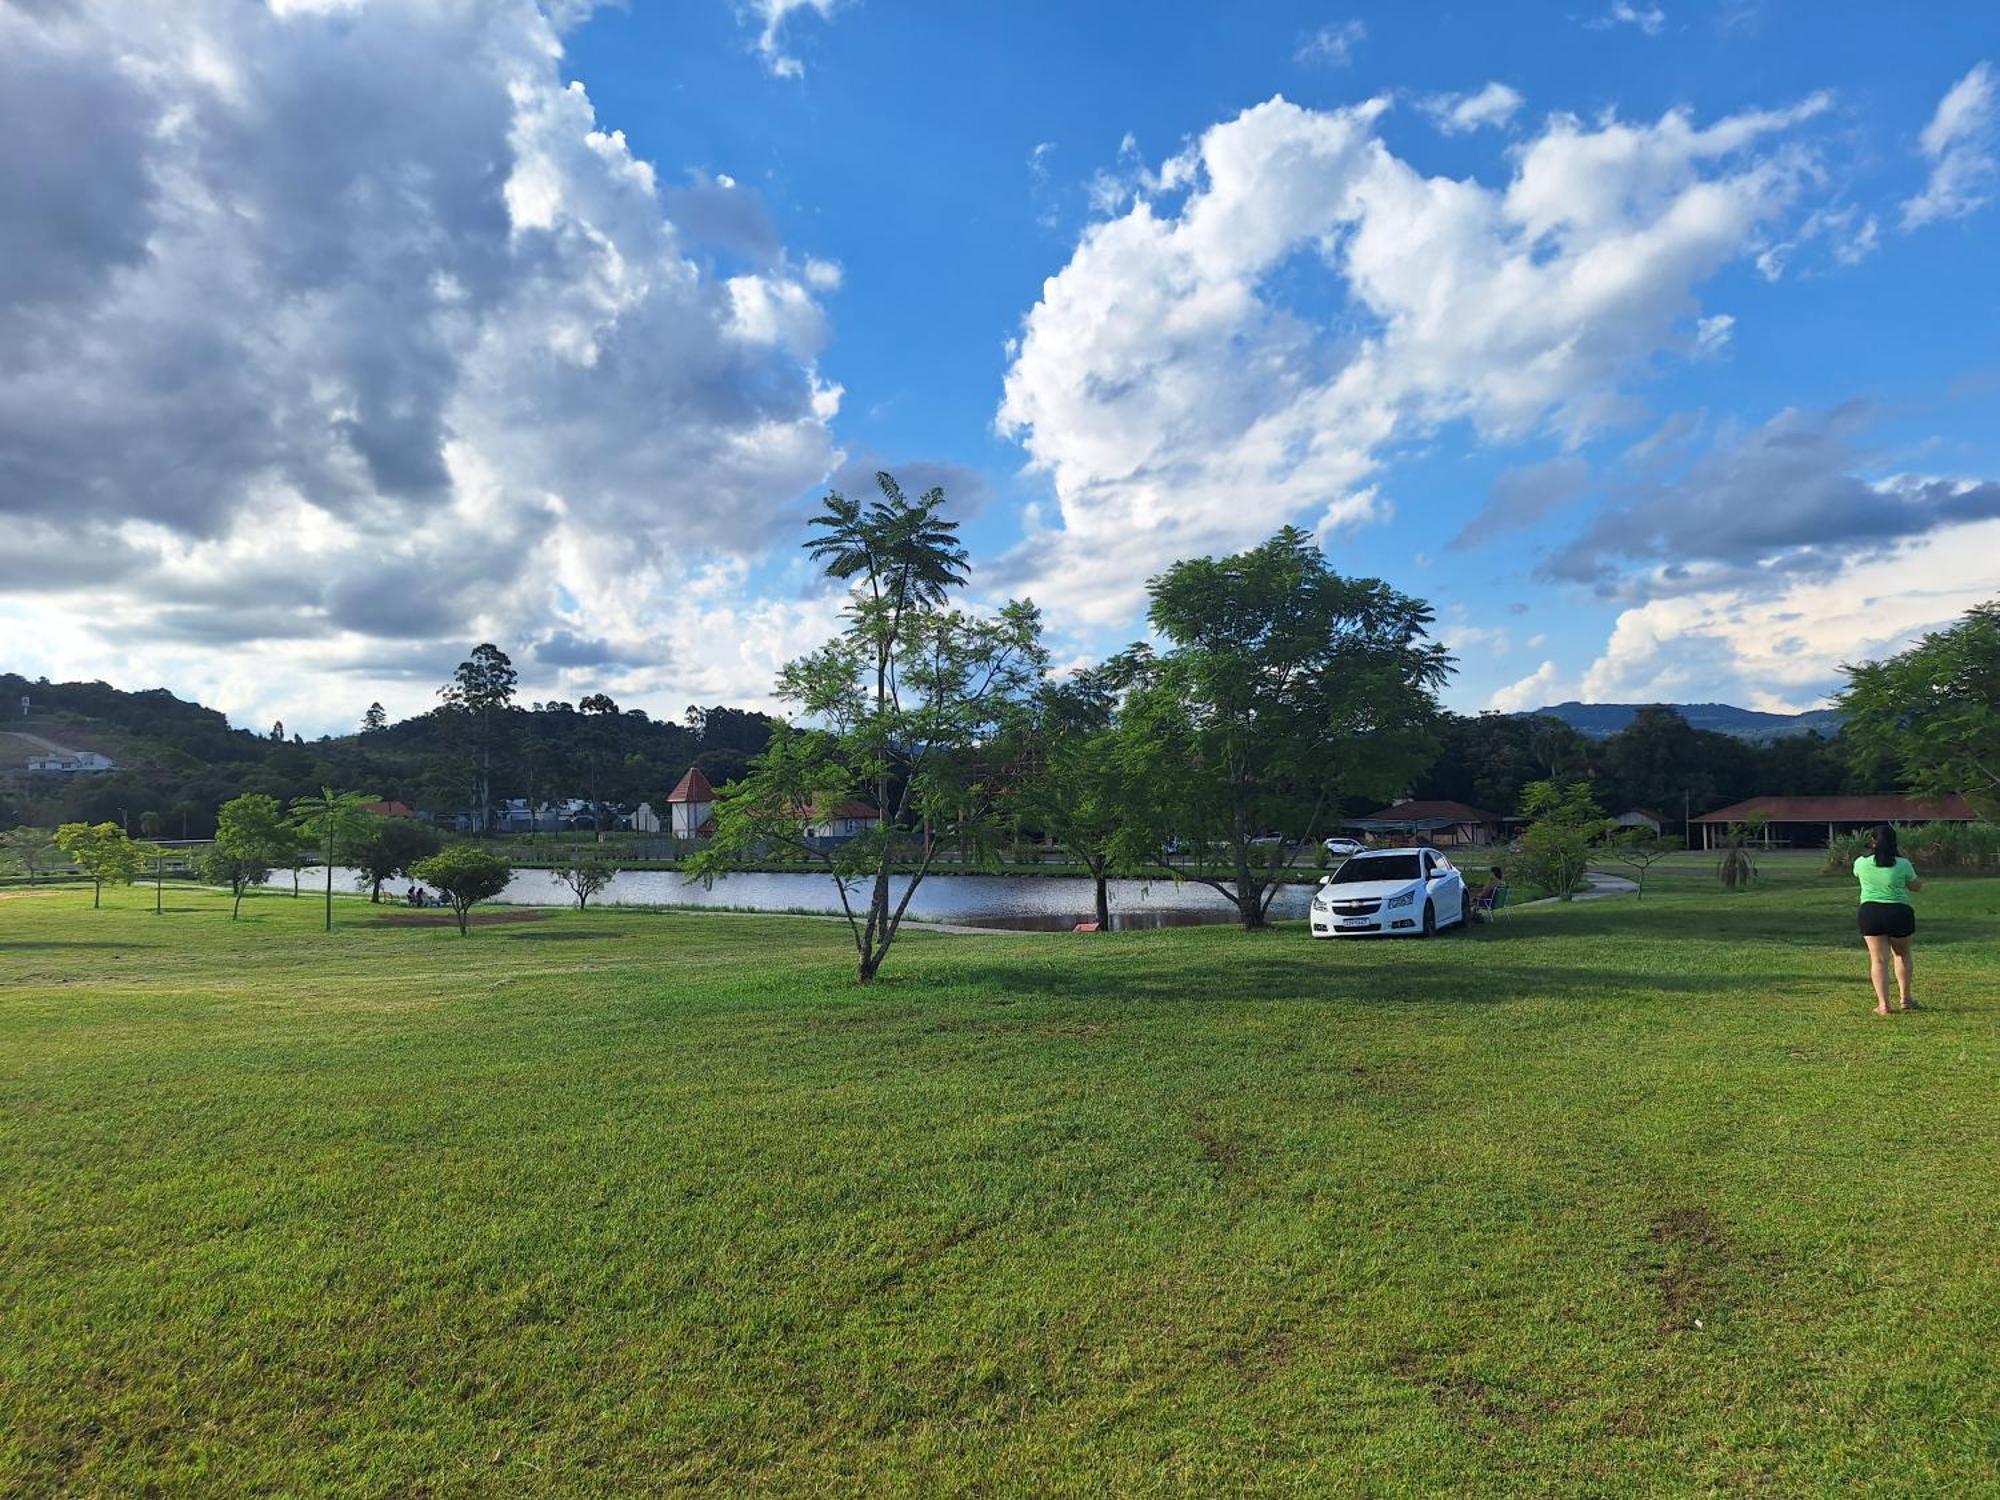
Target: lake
{"x":1032,"y":903}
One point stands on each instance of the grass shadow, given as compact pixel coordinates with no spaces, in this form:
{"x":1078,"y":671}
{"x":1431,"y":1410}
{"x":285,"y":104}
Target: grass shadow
{"x":561,"y":937}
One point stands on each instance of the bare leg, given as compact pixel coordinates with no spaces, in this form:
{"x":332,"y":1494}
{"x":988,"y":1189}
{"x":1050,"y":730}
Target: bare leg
{"x":1878,"y":971}
{"x":1905,"y":970}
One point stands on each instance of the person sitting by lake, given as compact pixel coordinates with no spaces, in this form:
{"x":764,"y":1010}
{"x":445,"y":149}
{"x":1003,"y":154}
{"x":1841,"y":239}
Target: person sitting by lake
{"x":414,"y":898}
{"x":1888,"y":922}
{"x":1488,"y":895}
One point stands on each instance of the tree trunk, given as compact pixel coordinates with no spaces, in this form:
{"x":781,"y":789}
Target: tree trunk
{"x":1103,"y":895}
{"x":96,"y":894}
{"x":236,"y":906}
{"x":329,"y":885}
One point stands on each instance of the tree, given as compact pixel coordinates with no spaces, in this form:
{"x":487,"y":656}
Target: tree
{"x":585,"y":873}
{"x":1640,"y":849}
{"x":331,"y":820}
{"x":218,"y":866}
{"x":103,"y":851}
{"x":1286,"y":688}
{"x":31,"y":848}
{"x":477,"y":700}
{"x":1079,"y":787}
{"x":252,"y":838}
{"x":278,"y":732}
{"x":375,"y":720}
{"x":383,"y":848}
{"x":467,"y":875}
{"x":1936,"y":707}
{"x":149,"y":824}
{"x":1555,"y":849}
{"x":910,"y":704}
{"x":601,"y":737}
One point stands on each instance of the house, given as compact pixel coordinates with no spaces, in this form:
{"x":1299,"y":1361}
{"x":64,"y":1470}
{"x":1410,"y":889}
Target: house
{"x":390,"y":809}
{"x":1641,"y":817}
{"x":63,"y":763}
{"x":1813,"y":821}
{"x":1433,"y":822}
{"x":691,"y":805}
{"x":840,"y":820}
{"x":644,"y":819}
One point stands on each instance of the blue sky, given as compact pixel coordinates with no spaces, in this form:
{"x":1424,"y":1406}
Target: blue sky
{"x":1655,"y":345}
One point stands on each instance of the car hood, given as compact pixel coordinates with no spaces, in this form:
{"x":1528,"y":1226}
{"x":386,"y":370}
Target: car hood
{"x":1366,"y":890}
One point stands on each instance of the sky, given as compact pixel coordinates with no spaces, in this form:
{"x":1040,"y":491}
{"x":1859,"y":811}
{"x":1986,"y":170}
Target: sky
{"x":1657,"y":346}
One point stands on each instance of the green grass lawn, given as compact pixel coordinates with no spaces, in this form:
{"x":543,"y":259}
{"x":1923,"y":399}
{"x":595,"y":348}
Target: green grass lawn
{"x":1619,"y":1198}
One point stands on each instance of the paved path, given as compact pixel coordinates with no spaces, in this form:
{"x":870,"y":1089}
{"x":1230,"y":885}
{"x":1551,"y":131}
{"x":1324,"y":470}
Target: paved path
{"x":1602,"y":888}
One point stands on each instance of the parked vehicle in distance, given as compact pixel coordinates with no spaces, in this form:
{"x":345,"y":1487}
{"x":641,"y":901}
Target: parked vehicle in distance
{"x":1341,"y":848}
{"x":1402,"y":892}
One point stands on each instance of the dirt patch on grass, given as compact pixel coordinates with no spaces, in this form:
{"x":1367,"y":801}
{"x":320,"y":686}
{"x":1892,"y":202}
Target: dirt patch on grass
{"x":1474,"y":1404}
{"x":447,"y":919}
{"x":1220,"y":1147}
{"x":1689,"y":1256}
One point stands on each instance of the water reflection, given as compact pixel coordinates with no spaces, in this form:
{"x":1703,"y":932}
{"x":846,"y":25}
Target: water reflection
{"x":1028,"y":903}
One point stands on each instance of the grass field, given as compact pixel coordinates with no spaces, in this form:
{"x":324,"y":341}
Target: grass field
{"x":1619,"y":1198}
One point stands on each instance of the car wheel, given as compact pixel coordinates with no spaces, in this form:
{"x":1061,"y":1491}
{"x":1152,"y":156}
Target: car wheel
{"x":1430,"y":920}
{"x":1465,"y":910}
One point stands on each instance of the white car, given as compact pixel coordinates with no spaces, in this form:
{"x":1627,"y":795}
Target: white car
{"x":1341,"y":848}
{"x":1403,"y":892}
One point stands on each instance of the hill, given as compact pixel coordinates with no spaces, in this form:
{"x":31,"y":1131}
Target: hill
{"x":1602,"y":720}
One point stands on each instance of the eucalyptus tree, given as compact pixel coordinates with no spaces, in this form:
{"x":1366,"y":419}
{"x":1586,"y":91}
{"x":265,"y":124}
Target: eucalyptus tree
{"x":1284,"y":687}
{"x":907,"y":716}
{"x":332,"y":820}
{"x":478,"y":701}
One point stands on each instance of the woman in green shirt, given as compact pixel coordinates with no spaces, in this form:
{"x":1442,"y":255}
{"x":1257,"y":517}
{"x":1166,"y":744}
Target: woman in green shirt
{"x":1887,"y":919}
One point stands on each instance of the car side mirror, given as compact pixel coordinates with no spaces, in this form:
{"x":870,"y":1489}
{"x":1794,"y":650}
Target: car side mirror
{"x":1326,"y":880}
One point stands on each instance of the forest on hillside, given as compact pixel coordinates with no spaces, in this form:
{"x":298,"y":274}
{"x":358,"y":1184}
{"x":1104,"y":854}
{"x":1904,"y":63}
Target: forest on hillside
{"x":181,"y":760}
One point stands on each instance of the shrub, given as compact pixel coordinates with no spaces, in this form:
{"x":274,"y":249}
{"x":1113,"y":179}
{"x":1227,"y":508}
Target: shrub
{"x":1934,"y":848}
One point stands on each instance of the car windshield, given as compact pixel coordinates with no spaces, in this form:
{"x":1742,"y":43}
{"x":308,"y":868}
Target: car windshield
{"x":1377,"y":867}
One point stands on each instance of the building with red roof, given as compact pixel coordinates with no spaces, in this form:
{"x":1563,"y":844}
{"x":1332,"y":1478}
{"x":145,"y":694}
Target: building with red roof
{"x":691,"y":806}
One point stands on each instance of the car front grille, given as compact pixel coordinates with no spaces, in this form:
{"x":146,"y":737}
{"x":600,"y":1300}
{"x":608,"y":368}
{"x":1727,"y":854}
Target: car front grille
{"x":1354,"y":908}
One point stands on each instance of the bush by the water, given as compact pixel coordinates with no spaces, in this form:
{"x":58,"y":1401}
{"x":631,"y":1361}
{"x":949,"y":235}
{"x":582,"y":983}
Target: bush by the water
{"x":1934,"y":848}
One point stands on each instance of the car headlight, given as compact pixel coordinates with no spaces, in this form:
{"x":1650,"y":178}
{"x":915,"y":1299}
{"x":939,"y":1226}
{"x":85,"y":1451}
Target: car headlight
{"x":1403,"y":900}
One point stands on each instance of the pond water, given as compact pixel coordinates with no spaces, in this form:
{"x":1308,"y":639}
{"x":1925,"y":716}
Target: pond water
{"x":1034,"y":903}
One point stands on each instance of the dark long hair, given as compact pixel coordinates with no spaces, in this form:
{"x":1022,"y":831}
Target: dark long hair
{"x":1884,"y":840}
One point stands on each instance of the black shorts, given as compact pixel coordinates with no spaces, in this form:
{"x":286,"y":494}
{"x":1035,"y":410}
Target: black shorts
{"x":1893,"y":919}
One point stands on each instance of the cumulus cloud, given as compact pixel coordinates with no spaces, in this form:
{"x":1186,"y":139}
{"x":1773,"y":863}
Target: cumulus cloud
{"x":1959,"y":143}
{"x":1780,"y":650}
{"x":1287,"y":297}
{"x":1459,"y":114}
{"x":1538,"y":689}
{"x":1762,"y":508}
{"x":771,"y":16}
{"x":1331,"y":45}
{"x":354,"y":325}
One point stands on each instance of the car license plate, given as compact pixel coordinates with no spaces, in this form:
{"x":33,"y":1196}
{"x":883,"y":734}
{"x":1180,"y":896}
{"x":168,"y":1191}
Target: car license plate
{"x":1355,"y":921}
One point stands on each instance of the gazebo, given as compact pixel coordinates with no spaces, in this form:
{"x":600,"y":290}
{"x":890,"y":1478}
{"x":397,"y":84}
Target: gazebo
{"x":1438,"y":822}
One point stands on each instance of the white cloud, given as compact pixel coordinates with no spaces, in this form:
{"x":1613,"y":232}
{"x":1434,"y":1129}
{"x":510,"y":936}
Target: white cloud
{"x":1712,"y":335}
{"x":1459,"y":114}
{"x":1648,"y":18}
{"x":1538,"y":689}
{"x":1179,"y":402}
{"x":1782,"y":651}
{"x":1959,"y":144}
{"x":343,"y":338}
{"x":772,"y":15}
{"x":1331,"y":45}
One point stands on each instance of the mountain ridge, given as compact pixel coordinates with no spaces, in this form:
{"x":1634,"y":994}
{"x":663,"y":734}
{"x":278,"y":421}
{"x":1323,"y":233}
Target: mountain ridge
{"x":1601,"y":720}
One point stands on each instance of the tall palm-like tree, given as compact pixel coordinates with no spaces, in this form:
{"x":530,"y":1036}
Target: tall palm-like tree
{"x":330,"y":819}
